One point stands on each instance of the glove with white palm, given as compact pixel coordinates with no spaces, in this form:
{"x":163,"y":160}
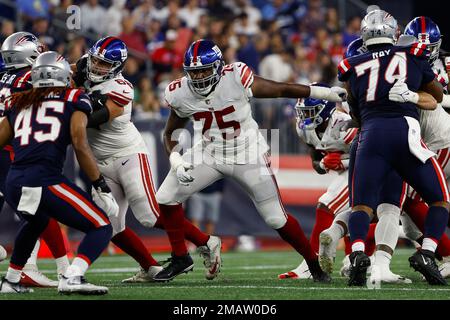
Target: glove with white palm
{"x":401,"y":93}
{"x":102,"y":196}
{"x":181,"y":168}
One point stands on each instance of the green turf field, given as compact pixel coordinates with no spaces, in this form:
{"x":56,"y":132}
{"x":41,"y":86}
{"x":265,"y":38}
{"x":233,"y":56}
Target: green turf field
{"x":243,"y":276}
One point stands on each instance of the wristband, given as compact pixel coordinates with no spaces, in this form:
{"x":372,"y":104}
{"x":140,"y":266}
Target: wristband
{"x":100,"y":183}
{"x":319,"y":92}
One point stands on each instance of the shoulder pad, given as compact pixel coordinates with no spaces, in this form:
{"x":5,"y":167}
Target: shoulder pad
{"x":119,"y":90}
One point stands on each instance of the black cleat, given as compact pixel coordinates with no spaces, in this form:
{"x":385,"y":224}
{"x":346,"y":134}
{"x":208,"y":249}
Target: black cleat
{"x":177,"y":266}
{"x":317,"y":273}
{"x":359,"y":262}
{"x":423,"y":261}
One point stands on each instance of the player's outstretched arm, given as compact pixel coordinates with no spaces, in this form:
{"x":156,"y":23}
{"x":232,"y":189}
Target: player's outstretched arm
{"x":263,"y":88}
{"x":6,"y":132}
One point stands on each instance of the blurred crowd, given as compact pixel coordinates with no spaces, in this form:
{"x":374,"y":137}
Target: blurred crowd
{"x":284,"y":40}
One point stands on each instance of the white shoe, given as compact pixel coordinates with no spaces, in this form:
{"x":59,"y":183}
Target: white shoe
{"x":31,"y":277}
{"x":9,"y":287}
{"x":444,"y":267}
{"x":78,"y":284}
{"x":301,"y":272}
{"x":327,"y":251}
{"x":382,"y":274}
{"x":345,"y":269}
{"x":3,"y":254}
{"x":211,"y":256}
{"x":372,"y":263}
{"x":144,"y":276}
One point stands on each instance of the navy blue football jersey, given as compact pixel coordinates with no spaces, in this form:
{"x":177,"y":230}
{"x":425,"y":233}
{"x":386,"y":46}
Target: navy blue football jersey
{"x":372,"y":74}
{"x":42,"y":132}
{"x":12,"y":82}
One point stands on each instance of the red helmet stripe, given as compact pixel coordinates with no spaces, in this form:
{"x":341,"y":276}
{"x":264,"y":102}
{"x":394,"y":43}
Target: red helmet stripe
{"x":196,"y":45}
{"x":107,"y":41}
{"x":422,"y":23}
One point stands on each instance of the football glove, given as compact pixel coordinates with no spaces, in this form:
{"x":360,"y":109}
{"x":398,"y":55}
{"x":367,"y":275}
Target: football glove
{"x":103,"y":198}
{"x":98,"y":100}
{"x":332,"y":161}
{"x":333,"y":94}
{"x":81,"y":75}
{"x":401,"y":93}
{"x":447,"y":63}
{"x":181,"y":168}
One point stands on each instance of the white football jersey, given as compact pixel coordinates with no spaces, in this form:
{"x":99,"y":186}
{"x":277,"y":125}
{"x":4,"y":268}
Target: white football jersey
{"x":119,"y":137}
{"x":223,"y":118}
{"x":435,"y":124}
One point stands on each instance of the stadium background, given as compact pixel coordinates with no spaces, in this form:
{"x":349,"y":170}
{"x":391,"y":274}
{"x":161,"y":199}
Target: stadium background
{"x":297,"y":40}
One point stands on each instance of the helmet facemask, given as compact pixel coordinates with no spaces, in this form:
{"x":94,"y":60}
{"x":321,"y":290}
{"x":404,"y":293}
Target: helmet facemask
{"x":309,"y":116}
{"x":100,"y":69}
{"x":204,"y":85}
{"x":433,"y":48}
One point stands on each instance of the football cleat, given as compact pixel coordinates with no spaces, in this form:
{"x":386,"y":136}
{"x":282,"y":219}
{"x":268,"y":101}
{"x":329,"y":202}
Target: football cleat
{"x":3,"y":254}
{"x":301,"y":272}
{"x":423,"y":262}
{"x":211,"y":257}
{"x":382,"y":274}
{"x":9,"y":287}
{"x":327,"y":251}
{"x":317,"y":273}
{"x":78,"y":284}
{"x":31,"y":277}
{"x":345,"y":269}
{"x":359,"y":262}
{"x":177,"y":266}
{"x":144,"y":276}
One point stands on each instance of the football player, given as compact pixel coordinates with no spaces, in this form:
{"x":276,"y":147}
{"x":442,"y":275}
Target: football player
{"x":19,"y":51}
{"x":122,"y":155}
{"x":315,"y":122}
{"x":216,"y":98}
{"x":389,"y":141}
{"x":40,"y":124}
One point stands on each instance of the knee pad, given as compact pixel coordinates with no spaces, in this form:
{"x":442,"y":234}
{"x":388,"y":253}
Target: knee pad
{"x":276,"y":222}
{"x":165,"y":197}
{"x":145,"y":212}
{"x":272,"y":213}
{"x":387,"y":229}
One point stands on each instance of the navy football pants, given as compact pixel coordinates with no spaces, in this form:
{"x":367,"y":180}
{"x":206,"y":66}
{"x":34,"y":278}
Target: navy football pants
{"x":68,"y":204}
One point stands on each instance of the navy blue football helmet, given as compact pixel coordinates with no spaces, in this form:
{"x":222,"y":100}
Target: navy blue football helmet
{"x":356,"y":47}
{"x":106,"y":59}
{"x":201,"y":55}
{"x":426,"y":32}
{"x":313,"y":112}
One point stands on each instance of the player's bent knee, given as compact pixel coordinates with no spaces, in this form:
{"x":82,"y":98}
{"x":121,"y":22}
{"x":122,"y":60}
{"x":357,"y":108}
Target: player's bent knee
{"x":164,"y":197}
{"x":276,"y":222}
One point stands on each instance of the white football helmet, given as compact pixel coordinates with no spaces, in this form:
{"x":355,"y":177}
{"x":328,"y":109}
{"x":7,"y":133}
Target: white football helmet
{"x":378,"y":27}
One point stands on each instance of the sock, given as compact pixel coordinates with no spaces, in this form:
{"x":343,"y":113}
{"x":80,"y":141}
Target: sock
{"x":78,"y":267}
{"x":429,"y":244}
{"x":382,"y":258}
{"x":370,"y":240}
{"x":53,"y":237}
{"x":358,"y":226}
{"x":348,"y":245}
{"x":293,"y":234}
{"x":435,"y":222}
{"x":32,"y":260}
{"x":94,"y":242}
{"x":13,"y":274}
{"x":358,"y":245}
{"x":191,"y":232}
{"x":62,"y":264}
{"x":443,"y":248}
{"x":132,"y":245}
{"x":336,"y":231}
{"x":324,"y":219}
{"x":173,"y":221}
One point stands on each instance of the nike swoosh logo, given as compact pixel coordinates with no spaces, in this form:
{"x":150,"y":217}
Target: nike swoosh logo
{"x":123,"y":163}
{"x":424,"y":261}
{"x":126,"y":92}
